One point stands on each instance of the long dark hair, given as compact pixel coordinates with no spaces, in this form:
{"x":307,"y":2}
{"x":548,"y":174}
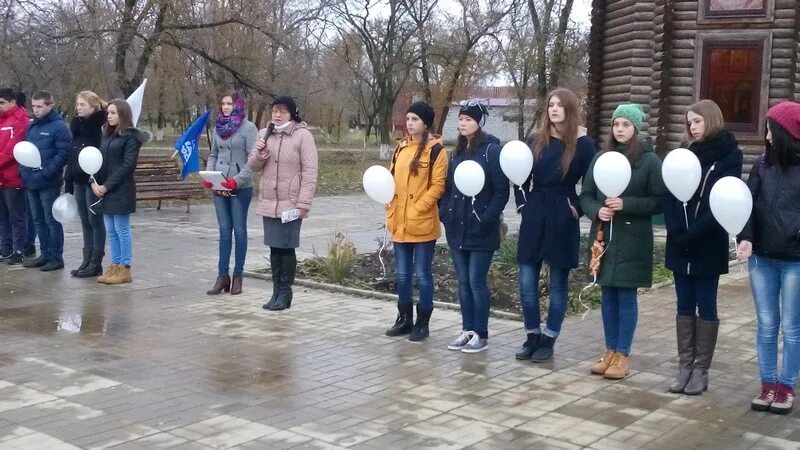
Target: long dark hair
{"x":415,"y":165}
{"x":633,"y":148}
{"x":469,"y":146}
{"x":569,"y":132}
{"x":125,"y":118}
{"x":784,"y":151}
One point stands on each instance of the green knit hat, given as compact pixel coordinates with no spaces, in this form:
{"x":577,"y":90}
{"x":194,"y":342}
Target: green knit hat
{"x":632,"y":112}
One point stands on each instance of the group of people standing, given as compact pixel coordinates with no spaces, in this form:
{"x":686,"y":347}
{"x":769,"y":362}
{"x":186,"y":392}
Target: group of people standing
{"x":285,"y":156}
{"x":105,"y":200}
{"x":697,"y":246}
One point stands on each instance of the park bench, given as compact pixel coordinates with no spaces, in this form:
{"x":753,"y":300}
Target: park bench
{"x":158,"y":177}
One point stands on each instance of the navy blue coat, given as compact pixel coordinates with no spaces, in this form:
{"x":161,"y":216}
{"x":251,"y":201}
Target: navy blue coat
{"x":475,"y":226}
{"x":549,"y":232}
{"x":52,"y":137}
{"x":702,"y":249}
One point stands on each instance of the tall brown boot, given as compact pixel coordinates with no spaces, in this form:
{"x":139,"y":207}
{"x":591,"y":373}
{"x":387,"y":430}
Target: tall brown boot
{"x":223,"y":283}
{"x":236,"y":285}
{"x":706,"y":344}
{"x":685,"y":331}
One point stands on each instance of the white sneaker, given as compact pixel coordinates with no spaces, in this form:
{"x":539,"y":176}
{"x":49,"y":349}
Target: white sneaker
{"x":475,"y":345}
{"x":463,"y":337}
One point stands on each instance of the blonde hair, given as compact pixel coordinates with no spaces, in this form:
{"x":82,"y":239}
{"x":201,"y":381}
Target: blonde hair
{"x":92,"y":99}
{"x":712,"y":116}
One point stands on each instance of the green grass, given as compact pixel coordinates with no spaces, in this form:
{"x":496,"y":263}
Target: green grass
{"x":340,"y":172}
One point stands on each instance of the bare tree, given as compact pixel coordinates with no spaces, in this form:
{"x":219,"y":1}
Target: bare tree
{"x":387,"y":59}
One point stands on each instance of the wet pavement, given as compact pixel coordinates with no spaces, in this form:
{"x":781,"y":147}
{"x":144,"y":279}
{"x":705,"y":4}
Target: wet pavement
{"x":157,"y":363}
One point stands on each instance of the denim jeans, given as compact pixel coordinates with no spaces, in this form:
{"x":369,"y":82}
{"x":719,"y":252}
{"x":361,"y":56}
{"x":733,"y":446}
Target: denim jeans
{"x":120,"y":241}
{"x":13,"y":223}
{"x":415,"y":258}
{"x":472,"y":268}
{"x":697,"y":296}
{"x":232,"y":218}
{"x":620,"y":313}
{"x":776,"y":290}
{"x":31,"y":235}
{"x":50,"y":231}
{"x":529,"y":294}
{"x":94,"y":229}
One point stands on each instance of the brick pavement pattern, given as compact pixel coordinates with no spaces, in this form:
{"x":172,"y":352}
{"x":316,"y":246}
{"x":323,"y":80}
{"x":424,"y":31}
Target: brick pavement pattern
{"x":159,"y":364}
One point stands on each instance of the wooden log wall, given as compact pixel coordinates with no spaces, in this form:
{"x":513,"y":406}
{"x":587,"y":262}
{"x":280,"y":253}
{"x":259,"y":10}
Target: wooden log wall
{"x":596,"y":56}
{"x":626,"y":60}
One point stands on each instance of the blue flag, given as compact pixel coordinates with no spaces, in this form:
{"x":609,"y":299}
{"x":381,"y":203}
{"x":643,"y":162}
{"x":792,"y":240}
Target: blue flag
{"x":189,"y":147}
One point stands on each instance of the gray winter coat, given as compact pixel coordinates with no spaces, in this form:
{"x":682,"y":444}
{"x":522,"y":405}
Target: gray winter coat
{"x":229,"y":156}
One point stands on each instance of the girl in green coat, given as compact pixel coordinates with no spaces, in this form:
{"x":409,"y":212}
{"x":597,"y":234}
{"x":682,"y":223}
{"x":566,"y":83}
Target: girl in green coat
{"x":628,"y":261}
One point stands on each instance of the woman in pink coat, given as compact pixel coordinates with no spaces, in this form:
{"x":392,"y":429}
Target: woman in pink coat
{"x":286,"y":156}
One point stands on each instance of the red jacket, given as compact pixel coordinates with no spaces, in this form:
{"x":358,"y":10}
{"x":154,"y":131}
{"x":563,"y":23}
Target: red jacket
{"x":13,"y":125}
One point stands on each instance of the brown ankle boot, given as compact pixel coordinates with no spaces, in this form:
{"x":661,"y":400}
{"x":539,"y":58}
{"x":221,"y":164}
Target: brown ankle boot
{"x":112,"y":269}
{"x":236,"y":285}
{"x":600,"y":367}
{"x":121,"y":276}
{"x":223,"y":283}
{"x":619,"y":368}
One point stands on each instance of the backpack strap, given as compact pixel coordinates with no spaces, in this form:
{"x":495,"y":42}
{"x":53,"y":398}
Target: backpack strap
{"x":435,"y":150}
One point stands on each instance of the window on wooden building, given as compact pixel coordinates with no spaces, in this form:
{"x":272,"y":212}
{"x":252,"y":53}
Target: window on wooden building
{"x":731,"y":77}
{"x":726,"y":8}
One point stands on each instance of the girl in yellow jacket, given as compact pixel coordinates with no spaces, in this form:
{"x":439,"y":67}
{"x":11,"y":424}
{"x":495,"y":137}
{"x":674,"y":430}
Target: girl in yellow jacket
{"x":419,"y":166}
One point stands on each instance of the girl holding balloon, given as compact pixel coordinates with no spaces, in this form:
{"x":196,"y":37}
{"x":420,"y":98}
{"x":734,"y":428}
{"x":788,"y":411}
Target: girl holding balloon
{"x":472,"y":223}
{"x":87,"y":131}
{"x":697,"y":245}
{"x":549,"y":231}
{"x":771,"y":241}
{"x":627,"y":262}
{"x":115,"y":184}
{"x":419,"y":166}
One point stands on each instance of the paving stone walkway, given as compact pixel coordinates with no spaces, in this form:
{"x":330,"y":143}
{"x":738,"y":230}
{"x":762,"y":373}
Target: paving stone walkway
{"x":159,"y":364}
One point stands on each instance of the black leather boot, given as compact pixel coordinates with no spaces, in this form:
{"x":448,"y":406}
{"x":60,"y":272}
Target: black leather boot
{"x":275,"y":268}
{"x":404,"y":322}
{"x":288,"y":270}
{"x":87,"y":255}
{"x":95,"y":266}
{"x":420,"y":329}
{"x":530,"y":345}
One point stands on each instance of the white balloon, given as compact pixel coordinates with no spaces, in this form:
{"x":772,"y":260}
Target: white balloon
{"x":27,"y":154}
{"x":731,"y":204}
{"x":379,"y":184}
{"x":681,"y":172}
{"x":65,"y":208}
{"x":469,"y":178}
{"x":90,"y":159}
{"x":516,"y":160}
{"x":612,"y":173}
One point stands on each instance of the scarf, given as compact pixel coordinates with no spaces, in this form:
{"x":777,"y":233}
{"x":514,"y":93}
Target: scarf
{"x":227,"y":125}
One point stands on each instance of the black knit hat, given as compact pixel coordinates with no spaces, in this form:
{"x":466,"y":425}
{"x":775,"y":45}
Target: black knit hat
{"x":289,"y":103}
{"x":473,"y":109}
{"x":424,"y":111}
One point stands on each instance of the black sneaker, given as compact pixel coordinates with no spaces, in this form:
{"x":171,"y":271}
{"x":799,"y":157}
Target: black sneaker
{"x":15,"y":258}
{"x":53,"y":264}
{"x":35,"y":263}
{"x":30,"y":250}
{"x":4,"y":257}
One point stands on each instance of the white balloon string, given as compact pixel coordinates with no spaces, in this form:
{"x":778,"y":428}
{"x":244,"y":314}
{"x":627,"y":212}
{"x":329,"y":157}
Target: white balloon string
{"x":686,"y":215}
{"x":524,"y":197}
{"x":580,"y":296}
{"x":95,"y":204}
{"x":383,"y":247}
{"x":473,"y":210}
